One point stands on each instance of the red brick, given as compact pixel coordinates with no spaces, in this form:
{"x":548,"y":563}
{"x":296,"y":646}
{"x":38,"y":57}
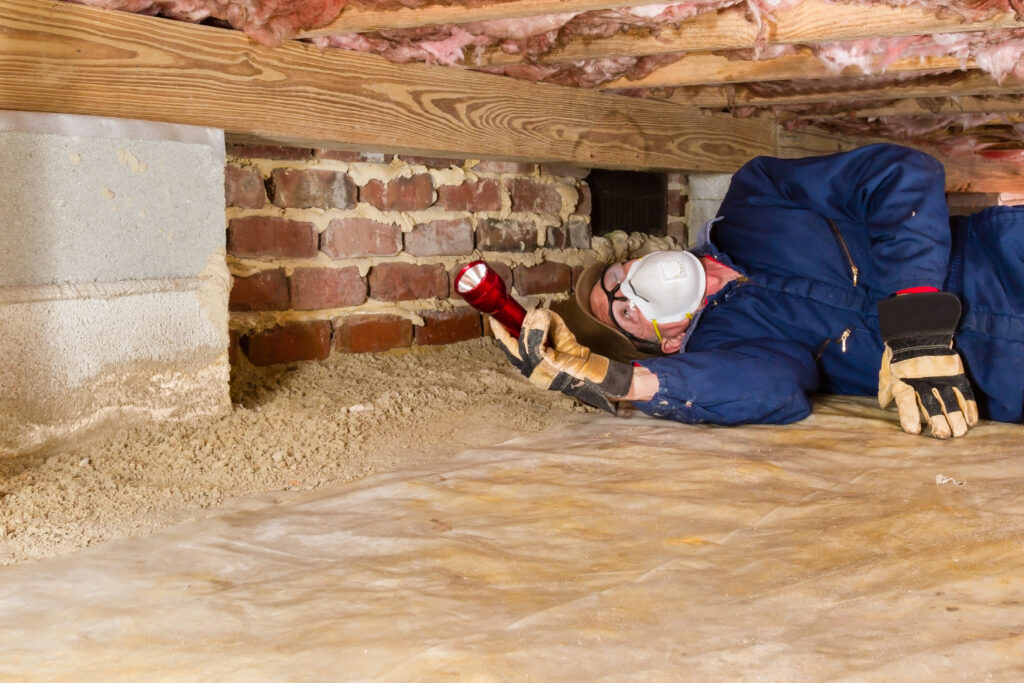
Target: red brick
{"x":268,"y":152}
{"x":401,"y":194}
{"x":679,"y":231}
{"x":364,"y":333}
{"x":533,"y":196}
{"x":546,"y":278}
{"x":312,"y":189}
{"x":270,"y":237}
{"x":243,"y":187}
{"x":472,"y":195}
{"x":448,"y":327}
{"x":289,"y":343}
{"x":503,"y":234}
{"x":583,"y":204}
{"x":316,"y":288}
{"x":438,"y":238}
{"x":503,"y":271}
{"x":267,"y":290}
{"x":504,"y":167}
{"x":564,"y":171}
{"x":405,"y":281}
{"x":337,"y":155}
{"x":348,"y":237}
{"x":431,"y":162}
{"x":573,"y":234}
{"x":675,"y":204}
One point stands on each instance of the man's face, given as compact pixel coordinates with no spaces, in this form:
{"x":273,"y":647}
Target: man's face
{"x":623,"y":314}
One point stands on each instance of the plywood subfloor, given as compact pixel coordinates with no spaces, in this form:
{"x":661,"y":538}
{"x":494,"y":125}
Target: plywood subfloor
{"x":617,"y":549}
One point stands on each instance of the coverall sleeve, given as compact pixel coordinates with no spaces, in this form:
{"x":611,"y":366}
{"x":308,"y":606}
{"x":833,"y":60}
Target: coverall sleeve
{"x":763,"y":381}
{"x":897,"y":194}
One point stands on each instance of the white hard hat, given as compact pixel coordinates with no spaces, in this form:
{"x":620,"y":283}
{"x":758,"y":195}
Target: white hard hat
{"x":667,"y":286}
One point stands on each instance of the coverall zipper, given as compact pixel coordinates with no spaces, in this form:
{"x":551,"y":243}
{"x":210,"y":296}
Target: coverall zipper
{"x":854,"y":270}
{"x":841,"y":341}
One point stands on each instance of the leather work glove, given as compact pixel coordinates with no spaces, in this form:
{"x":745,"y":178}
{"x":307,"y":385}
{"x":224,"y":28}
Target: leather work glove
{"x":920,"y":369}
{"x":549,"y":356}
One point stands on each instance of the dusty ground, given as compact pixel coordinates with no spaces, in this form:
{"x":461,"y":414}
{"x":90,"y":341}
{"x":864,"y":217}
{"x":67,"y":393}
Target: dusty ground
{"x":292,"y":428}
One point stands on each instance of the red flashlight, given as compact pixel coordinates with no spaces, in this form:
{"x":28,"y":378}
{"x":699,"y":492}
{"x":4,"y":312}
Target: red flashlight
{"x":485,"y":291}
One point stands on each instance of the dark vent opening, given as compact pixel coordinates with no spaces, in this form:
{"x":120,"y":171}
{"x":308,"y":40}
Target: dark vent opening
{"x":628,"y":200}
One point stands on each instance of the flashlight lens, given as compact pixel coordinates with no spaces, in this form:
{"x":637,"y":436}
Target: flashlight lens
{"x":471,"y":278}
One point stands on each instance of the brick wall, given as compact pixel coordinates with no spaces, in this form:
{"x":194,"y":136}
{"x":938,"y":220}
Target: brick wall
{"x":677,"y":199}
{"x":353,"y":252}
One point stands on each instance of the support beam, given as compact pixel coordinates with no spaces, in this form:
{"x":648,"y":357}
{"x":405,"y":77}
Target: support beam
{"x":62,"y":57}
{"x":940,"y":106}
{"x":812,"y":21}
{"x":361,"y":19}
{"x":970,"y":84}
{"x":708,"y":69}
{"x":982,"y":172}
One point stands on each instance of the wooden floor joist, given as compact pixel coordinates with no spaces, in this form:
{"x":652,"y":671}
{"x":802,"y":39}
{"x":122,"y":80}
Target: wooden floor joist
{"x":964,"y":173}
{"x":969,"y":84}
{"x":708,"y":69}
{"x":812,"y":21}
{"x":62,"y":57}
{"x":362,"y":19}
{"x":941,"y":106}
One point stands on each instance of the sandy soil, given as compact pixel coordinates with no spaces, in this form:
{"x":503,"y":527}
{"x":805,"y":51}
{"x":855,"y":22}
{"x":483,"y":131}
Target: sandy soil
{"x":291,"y":428}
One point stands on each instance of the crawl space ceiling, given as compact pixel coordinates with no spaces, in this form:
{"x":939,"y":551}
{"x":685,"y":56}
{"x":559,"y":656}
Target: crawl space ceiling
{"x":946,"y":74}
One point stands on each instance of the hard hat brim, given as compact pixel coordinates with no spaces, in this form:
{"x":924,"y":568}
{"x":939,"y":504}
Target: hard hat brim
{"x":591,"y":332}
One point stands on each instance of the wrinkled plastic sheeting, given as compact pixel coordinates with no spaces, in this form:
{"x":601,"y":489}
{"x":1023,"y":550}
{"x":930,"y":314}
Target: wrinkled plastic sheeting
{"x":621,"y":549}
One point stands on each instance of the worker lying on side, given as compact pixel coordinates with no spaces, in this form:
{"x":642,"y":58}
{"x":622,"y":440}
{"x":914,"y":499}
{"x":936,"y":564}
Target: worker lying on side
{"x":836,"y":274}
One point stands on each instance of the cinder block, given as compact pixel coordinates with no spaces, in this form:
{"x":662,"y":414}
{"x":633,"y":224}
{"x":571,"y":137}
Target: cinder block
{"x":74,"y":363}
{"x":113,"y":279}
{"x":85,"y":209}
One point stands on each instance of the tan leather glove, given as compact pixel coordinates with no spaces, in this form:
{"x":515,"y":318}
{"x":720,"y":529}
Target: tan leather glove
{"x":548,"y":354}
{"x":920,"y":370}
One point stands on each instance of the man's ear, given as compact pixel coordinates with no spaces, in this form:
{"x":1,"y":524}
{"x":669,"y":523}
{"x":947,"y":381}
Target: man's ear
{"x":672,"y":344}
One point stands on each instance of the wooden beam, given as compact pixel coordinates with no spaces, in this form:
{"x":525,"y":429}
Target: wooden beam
{"x":708,"y":69}
{"x":969,"y":84}
{"x":361,"y":19}
{"x":62,"y":57}
{"x":939,"y":106}
{"x":812,"y":21}
{"x":982,"y":172}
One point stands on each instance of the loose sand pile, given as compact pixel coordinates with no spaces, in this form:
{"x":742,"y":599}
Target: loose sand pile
{"x":292,"y":428}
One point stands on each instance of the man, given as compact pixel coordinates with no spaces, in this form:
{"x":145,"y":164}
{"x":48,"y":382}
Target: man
{"x":837,"y":274}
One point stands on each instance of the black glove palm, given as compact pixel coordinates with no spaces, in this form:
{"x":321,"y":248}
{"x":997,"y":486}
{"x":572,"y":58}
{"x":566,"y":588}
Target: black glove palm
{"x":920,"y":369}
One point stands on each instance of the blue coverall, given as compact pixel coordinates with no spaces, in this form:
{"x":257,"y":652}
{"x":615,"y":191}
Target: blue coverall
{"x":818,"y":242}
